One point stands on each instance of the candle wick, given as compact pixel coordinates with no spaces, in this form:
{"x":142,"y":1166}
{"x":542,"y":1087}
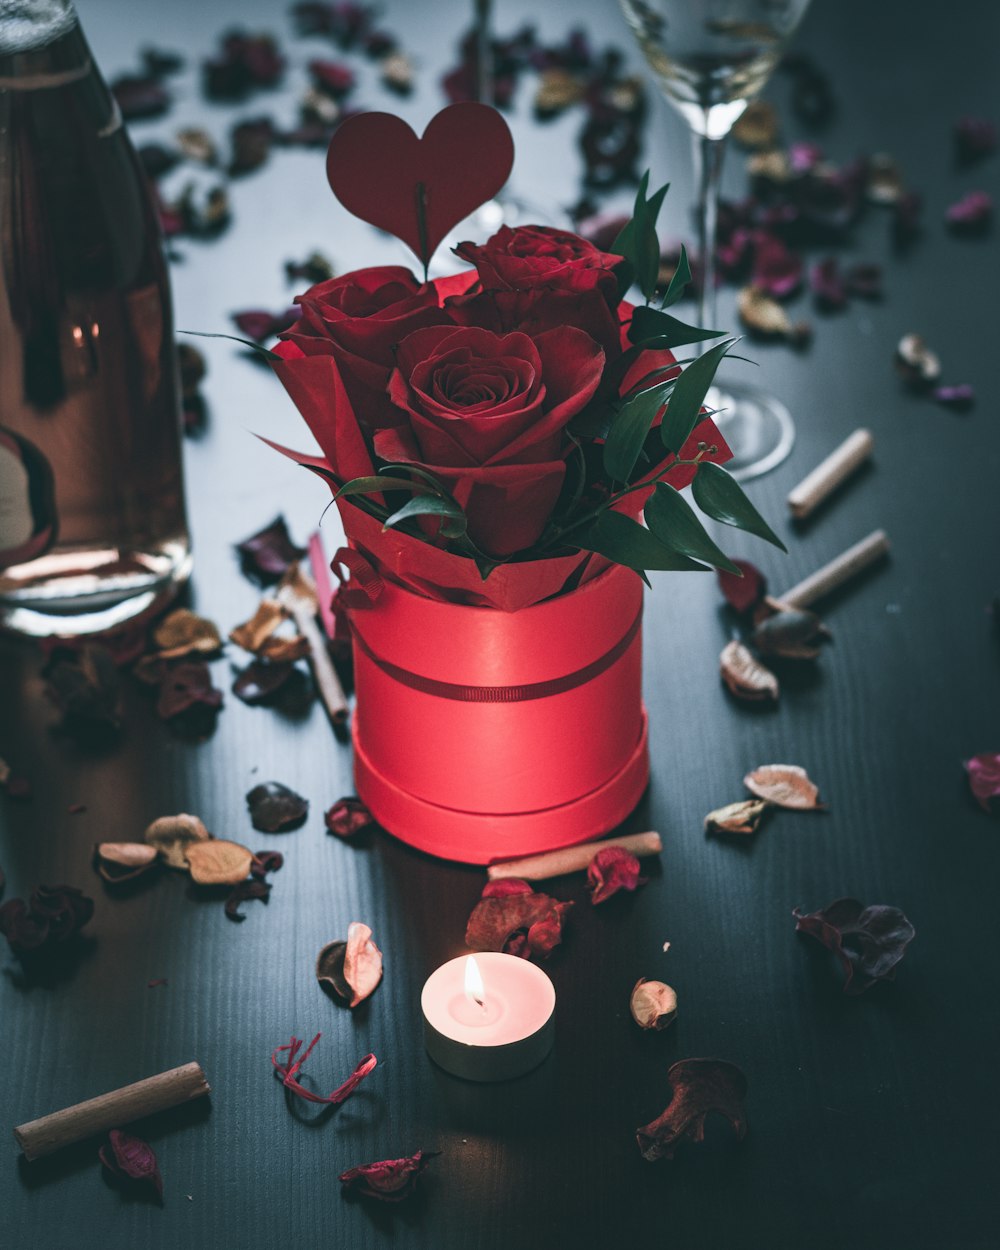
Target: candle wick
{"x":479,"y":1002}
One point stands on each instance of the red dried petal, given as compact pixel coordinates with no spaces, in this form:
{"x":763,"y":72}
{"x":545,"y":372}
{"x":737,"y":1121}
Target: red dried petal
{"x":348,"y":816}
{"x":776,"y":270}
{"x":498,"y":924}
{"x":612,"y":869}
{"x":132,"y":1158}
{"x":699,"y":1086}
{"x":972,"y":214}
{"x":266,"y":555}
{"x":743,"y":593}
{"x":984,"y":780}
{"x":244,"y":891}
{"x":389,"y":1180}
{"x":868,"y":941}
{"x":289,"y":1070}
{"x":260,"y":325}
{"x":265,"y":862}
{"x":828,"y":285}
{"x":186,"y":685}
{"x":274,"y":808}
{"x":504,"y":887}
{"x":974,"y":137}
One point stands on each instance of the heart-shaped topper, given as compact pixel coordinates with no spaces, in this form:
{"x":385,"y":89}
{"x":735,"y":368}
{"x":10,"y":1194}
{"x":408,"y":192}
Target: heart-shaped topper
{"x":417,"y":189}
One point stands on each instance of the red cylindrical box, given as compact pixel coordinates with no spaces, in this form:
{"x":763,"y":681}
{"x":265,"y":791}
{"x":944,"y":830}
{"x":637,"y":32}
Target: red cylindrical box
{"x":481,"y":734}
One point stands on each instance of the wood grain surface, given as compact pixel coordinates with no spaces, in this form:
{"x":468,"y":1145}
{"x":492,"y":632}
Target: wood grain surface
{"x":872,"y":1119}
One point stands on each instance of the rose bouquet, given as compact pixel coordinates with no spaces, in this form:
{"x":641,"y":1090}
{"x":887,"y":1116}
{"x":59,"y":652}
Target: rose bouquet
{"x":492,"y":440}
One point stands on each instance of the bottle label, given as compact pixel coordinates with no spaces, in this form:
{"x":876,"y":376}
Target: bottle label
{"x":27,"y":501}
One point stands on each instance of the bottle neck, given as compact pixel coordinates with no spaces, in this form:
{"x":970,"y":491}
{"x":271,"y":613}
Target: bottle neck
{"x":41,"y":44}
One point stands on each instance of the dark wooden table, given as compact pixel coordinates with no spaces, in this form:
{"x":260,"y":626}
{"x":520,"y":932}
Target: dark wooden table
{"x":872,"y":1119}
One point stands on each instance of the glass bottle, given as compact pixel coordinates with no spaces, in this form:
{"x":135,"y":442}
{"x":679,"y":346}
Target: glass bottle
{"x":92,"y":524}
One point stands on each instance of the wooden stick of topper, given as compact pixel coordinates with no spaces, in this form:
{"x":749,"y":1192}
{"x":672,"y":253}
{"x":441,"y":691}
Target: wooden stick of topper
{"x":571,"y":858}
{"x":838,"y":571}
{"x":120,"y":1106}
{"x":297,"y":595}
{"x":830,"y":473}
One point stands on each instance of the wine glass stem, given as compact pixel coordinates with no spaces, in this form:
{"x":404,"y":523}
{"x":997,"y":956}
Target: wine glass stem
{"x":708,"y":154}
{"x":484,"y":50}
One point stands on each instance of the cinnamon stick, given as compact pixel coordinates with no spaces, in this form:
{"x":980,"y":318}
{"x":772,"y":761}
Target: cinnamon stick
{"x":571,"y":858}
{"x":120,"y":1106}
{"x":838,"y":571}
{"x":830,"y":473}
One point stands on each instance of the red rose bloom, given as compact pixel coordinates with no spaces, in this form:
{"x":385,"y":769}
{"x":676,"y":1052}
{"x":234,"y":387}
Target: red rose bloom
{"x":359,"y":319}
{"x":539,"y":257}
{"x":486,"y":414}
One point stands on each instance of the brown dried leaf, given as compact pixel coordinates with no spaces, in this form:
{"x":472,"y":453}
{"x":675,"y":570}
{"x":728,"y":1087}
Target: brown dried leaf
{"x":653,"y":1004}
{"x":284,"y":650}
{"x":218,"y":862}
{"x":183,"y":632}
{"x":742,"y":817}
{"x":786,"y":785}
{"x":252,"y":634}
{"x":172,"y":835}
{"x":745,"y":676}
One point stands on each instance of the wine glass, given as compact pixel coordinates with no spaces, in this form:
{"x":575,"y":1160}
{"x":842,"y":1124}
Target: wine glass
{"x":712,"y":58}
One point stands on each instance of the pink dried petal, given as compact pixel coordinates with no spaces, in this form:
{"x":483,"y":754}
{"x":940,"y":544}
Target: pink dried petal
{"x":612,"y":869}
{"x":972,"y":214}
{"x":743,"y":593}
{"x":289,"y":1069}
{"x":961,"y":396}
{"x":777,"y":271}
{"x":984,"y":780}
{"x":389,"y":1180}
{"x":347,"y":817}
{"x":804,"y":157}
{"x":133,"y":1159}
{"x":700,"y":1086}
{"x":868,"y":941}
{"x":362,"y":962}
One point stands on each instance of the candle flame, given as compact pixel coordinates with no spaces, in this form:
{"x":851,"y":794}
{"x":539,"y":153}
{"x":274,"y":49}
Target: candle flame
{"x":474,"y":981}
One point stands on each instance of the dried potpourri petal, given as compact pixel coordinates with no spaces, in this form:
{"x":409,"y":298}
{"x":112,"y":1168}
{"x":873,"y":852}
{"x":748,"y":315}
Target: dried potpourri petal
{"x":140,"y":96}
{"x":790,"y":633}
{"x":984,"y":780}
{"x":352,"y":969}
{"x":777,"y":271}
{"x":916,"y":364}
{"x":288,"y":1071}
{"x":244,"y":62}
{"x":250,"y":142}
{"x":557,"y":91}
{"x":197,"y":145}
{"x":885,"y":179}
{"x":182,"y":632}
{"x":217,"y":861}
{"x":252,"y":634}
{"x":51,"y":916}
{"x":388,"y":1180}
{"x":864,"y":280}
{"x":84,"y":687}
{"x":266,"y":861}
{"x":742,"y":817}
{"x":757,"y":126}
{"x":157,"y":159}
{"x":766,"y":318}
{"x":517,"y":924}
{"x":348,"y":816}
{"x":786,"y":785}
{"x":259,"y":325}
{"x":124,"y":861}
{"x":284,"y":650}
{"x":653,"y":1004}
{"x":332,"y":77}
{"x":274,"y":808}
{"x":974,"y":138}
{"x":261,"y":680}
{"x":700,"y":1086}
{"x":745,"y":676}
{"x":906,"y":214}
{"x":612,"y":869}
{"x":972,"y":214}
{"x":241,"y":892}
{"x":172,"y":835}
{"x":868,"y":941}
{"x":185,"y":686}
{"x":132,"y":1159}
{"x":961,"y":396}
{"x":25,"y":932}
{"x":266,"y":555}
{"x":503,"y":887}
{"x":828,"y":286}
{"x":743,"y":593}
{"x":314,"y":269}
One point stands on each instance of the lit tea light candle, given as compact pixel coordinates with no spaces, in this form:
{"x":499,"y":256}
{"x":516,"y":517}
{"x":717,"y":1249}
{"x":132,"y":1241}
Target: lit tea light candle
{"x":488,"y":1017}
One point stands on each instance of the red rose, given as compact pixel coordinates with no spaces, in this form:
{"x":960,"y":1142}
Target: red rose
{"x":539,"y":257}
{"x":487,"y":415}
{"x":539,"y":309}
{"x":359,"y":319}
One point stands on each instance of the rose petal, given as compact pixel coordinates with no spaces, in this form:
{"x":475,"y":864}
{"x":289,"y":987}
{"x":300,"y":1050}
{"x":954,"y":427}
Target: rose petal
{"x":972,"y":214}
{"x":743,"y":593}
{"x":389,"y":1180}
{"x":172,"y":835}
{"x":499,"y":924}
{"x":266,"y":555}
{"x":347,"y":817}
{"x":745,"y":676}
{"x":261,"y":680}
{"x":132,"y":1158}
{"x":274,"y":808}
{"x":984,"y":780}
{"x":242,"y":892}
{"x":185,"y":686}
{"x":362,"y":962}
{"x":265,"y":862}
{"x":786,"y":785}
{"x":218,"y":862}
{"x":504,"y":887}
{"x":699,"y":1087}
{"x":868,"y":941}
{"x":612,"y":869}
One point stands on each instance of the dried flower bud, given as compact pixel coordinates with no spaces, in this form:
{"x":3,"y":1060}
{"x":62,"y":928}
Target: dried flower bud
{"x":653,"y":1004}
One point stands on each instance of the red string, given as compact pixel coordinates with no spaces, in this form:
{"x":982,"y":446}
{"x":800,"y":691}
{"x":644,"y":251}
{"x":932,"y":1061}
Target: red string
{"x":288,"y":1070}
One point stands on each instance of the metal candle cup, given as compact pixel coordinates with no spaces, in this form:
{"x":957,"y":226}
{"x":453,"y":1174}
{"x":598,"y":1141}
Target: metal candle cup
{"x":493,"y":1030}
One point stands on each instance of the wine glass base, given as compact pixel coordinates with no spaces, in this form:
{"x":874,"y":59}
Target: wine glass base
{"x":758,"y":428}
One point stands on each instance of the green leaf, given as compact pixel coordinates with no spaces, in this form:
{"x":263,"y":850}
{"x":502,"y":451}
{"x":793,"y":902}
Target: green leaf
{"x":431,"y":505}
{"x":675,"y":523}
{"x":682,"y":276}
{"x":688,"y":396}
{"x":637,"y":240}
{"x":721,"y":497}
{"x":651,"y":328}
{"x":233,"y":338}
{"x":625,"y":541}
{"x":374,"y":485}
{"x":631,"y":425}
